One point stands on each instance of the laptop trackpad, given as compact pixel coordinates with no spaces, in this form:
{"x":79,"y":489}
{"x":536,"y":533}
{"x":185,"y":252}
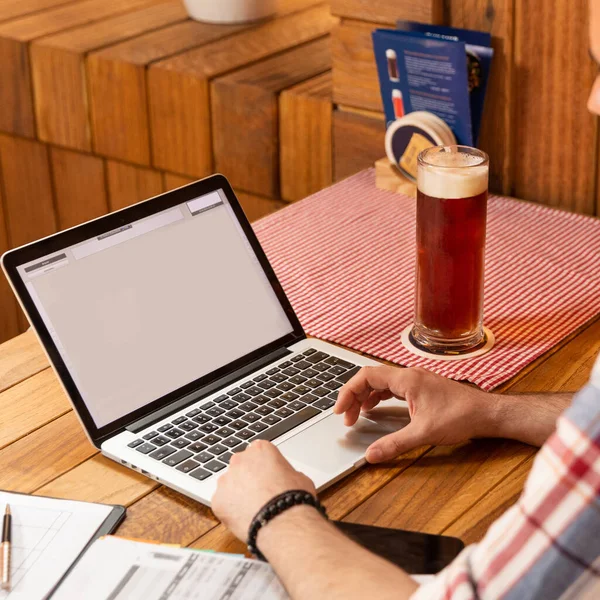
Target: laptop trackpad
{"x":329,"y":447}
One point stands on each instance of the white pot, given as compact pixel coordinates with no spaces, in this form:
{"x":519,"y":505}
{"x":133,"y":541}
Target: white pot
{"x":230,"y":11}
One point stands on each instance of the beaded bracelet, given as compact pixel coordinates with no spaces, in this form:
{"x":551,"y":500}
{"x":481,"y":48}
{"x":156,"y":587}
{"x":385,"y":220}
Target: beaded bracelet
{"x":275,"y":507}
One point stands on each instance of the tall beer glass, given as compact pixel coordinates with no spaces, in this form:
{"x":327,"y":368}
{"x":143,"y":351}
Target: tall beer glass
{"x":452,"y":192}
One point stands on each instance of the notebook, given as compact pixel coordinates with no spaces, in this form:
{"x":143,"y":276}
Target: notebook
{"x":48,"y":537}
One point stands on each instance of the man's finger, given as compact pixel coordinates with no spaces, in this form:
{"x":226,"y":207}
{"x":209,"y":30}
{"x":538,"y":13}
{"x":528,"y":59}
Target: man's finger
{"x":394,"y":444}
{"x":374,"y":399}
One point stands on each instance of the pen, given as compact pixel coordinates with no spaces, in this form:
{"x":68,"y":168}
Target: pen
{"x":6,"y":548}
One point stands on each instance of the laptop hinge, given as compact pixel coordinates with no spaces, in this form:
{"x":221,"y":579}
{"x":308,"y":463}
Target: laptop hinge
{"x":207,"y":390}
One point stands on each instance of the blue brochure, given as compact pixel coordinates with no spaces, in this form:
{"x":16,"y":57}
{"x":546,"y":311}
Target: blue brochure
{"x":437,"y":69}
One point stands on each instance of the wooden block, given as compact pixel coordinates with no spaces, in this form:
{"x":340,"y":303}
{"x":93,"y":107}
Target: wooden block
{"x":16,"y":99}
{"x":167,"y":517}
{"x":498,"y":128}
{"x":20,"y":358}
{"x":117,"y":81}
{"x":172,"y":182}
{"x":388,"y":177}
{"x":12,"y":10}
{"x":30,"y":405}
{"x":179,"y":87}
{"x":358,"y":141}
{"x":37,"y":459}
{"x":99,"y":479}
{"x":9,"y":322}
{"x":553,"y":131}
{"x":355,"y":81}
{"x":80,"y":186}
{"x":390,"y":11}
{"x":28,"y":201}
{"x":58,"y":69}
{"x":245,"y":115}
{"x":306,"y":138}
{"x":128,"y":184}
{"x":256,"y":207}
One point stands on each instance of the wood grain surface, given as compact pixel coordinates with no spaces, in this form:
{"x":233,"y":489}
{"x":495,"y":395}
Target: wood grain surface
{"x":128,"y":184}
{"x":390,"y":11}
{"x":9,"y":322}
{"x":20,"y":358}
{"x":245,"y":115}
{"x":58,"y":69}
{"x":306,"y":138}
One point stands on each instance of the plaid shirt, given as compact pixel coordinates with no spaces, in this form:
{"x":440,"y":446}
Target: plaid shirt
{"x":548,"y":545}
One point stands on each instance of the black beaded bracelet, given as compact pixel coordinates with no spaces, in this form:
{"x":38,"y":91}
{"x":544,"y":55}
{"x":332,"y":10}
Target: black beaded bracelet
{"x":275,"y":507}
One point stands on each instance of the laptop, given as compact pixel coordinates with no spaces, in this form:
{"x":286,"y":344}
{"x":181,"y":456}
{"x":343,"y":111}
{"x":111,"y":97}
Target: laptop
{"x":178,"y":347}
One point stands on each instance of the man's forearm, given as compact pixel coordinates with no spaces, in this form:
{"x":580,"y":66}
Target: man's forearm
{"x":528,"y":418}
{"x":315,"y":560}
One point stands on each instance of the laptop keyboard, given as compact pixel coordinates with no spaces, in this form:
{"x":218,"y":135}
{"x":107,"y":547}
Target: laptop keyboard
{"x":202,"y":441}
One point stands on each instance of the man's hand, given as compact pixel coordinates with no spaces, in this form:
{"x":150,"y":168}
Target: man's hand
{"x":253,"y":478}
{"x":443,"y":412}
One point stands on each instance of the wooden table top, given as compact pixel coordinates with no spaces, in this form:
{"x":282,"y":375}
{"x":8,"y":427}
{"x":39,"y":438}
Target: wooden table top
{"x":454,"y":490}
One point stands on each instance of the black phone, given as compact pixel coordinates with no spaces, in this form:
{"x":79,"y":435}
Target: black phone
{"x":416,"y":553}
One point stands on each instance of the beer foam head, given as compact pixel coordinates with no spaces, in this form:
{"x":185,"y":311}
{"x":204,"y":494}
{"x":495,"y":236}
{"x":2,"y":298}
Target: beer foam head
{"x":447,"y":174}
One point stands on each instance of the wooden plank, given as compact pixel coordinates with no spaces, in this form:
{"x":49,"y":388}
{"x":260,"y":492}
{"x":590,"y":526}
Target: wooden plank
{"x":256,"y":207}
{"x":306,"y":137}
{"x":172,"y":181}
{"x":9,"y":323}
{"x":30,"y":405}
{"x":80,"y":186}
{"x":358,"y":141}
{"x":472,"y":526}
{"x":128,"y":184}
{"x":390,"y":11}
{"x":179,"y":87}
{"x":16,"y":97}
{"x":27,"y":190}
{"x":355,"y":81}
{"x":10,"y":9}
{"x":58,"y":69}
{"x":168,"y":517}
{"x":117,"y":81}
{"x":99,"y":479}
{"x":497,"y":131}
{"x":245,"y":115}
{"x":553,"y":158}
{"x":20,"y":358}
{"x":37,"y":458}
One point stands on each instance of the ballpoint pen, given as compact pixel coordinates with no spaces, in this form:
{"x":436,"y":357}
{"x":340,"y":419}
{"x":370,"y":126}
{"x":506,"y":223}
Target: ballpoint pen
{"x":6,"y":548}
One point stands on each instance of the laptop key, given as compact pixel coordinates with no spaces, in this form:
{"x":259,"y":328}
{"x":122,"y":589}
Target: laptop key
{"x":261,"y":399}
{"x":165,"y":427}
{"x":246,"y":385}
{"x":273,"y":393}
{"x":243,"y":398}
{"x":207,"y":405}
{"x":228,"y":404}
{"x":301,"y":389}
{"x":321,"y":367}
{"x":221,"y":398}
{"x":149,"y":436}
{"x":260,"y":377}
{"x":180,"y":443}
{"x":258,"y":427}
{"x":325,"y":376}
{"x":234,"y":391}
{"x":211,"y":439}
{"x":188,"y":426}
{"x":163,"y":452}
{"x":204,"y":457}
{"x":337,"y":370}
{"x":309,"y":398}
{"x":296,"y":405}
{"x":332,"y":385}
{"x":286,"y":386}
{"x":215,"y":412}
{"x":284,"y":412}
{"x":194,"y":435}
{"x":267,"y":384}
{"x":254,"y":391}
{"x":201,"y":419}
{"x":333,"y":395}
{"x":303,"y":364}
{"x":179,"y":420}
{"x":174,"y":433}
{"x":222,"y":421}
{"x":248,"y":406}
{"x":236,"y":413}
{"x":321,"y":392}
{"x":214,"y":465}
{"x":187,"y":466}
{"x":200,"y":474}
{"x":135,"y":443}
{"x":231,"y":442}
{"x":209,"y":427}
{"x":273,"y":371}
{"x":271,"y":420}
{"x":298,"y":379}
{"x":348,"y":375}
{"x":333,"y":360}
{"x":224,"y":432}
{"x":251,"y":417}
{"x":278,"y":378}
{"x":193,"y":413}
{"x":288,"y":424}
{"x":277,"y":403}
{"x":217,"y":449}
{"x":291,"y":371}
{"x":240,"y":448}
{"x":178,"y":457}
{"x":285,"y":365}
{"x":237,"y":425}
{"x":295,"y":359}
{"x":197,"y":447}
{"x":246,"y":434}
{"x":289,"y":396}
{"x":263,"y":410}
{"x":161,"y":440}
{"x":324,"y":403}
{"x":309,"y":352}
{"x":317,"y":357}
{"x":225,"y":457}
{"x":310,"y":373}
{"x":313,"y":383}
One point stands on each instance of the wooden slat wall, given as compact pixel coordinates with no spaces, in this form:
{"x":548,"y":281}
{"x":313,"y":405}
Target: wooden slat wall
{"x":128,"y":184}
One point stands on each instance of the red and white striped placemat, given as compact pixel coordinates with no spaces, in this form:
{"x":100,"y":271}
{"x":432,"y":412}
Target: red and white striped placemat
{"x":346,"y":256}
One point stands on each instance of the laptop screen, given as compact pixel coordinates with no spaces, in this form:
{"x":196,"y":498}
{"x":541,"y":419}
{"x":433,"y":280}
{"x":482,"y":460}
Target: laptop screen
{"x":147,"y":308}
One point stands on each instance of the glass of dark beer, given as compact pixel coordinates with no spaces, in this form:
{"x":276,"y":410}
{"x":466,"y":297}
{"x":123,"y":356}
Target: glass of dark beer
{"x":452,"y":192}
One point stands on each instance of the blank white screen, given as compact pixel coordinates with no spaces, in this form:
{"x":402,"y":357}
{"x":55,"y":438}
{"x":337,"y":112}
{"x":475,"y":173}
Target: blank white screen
{"x":149,"y":314}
